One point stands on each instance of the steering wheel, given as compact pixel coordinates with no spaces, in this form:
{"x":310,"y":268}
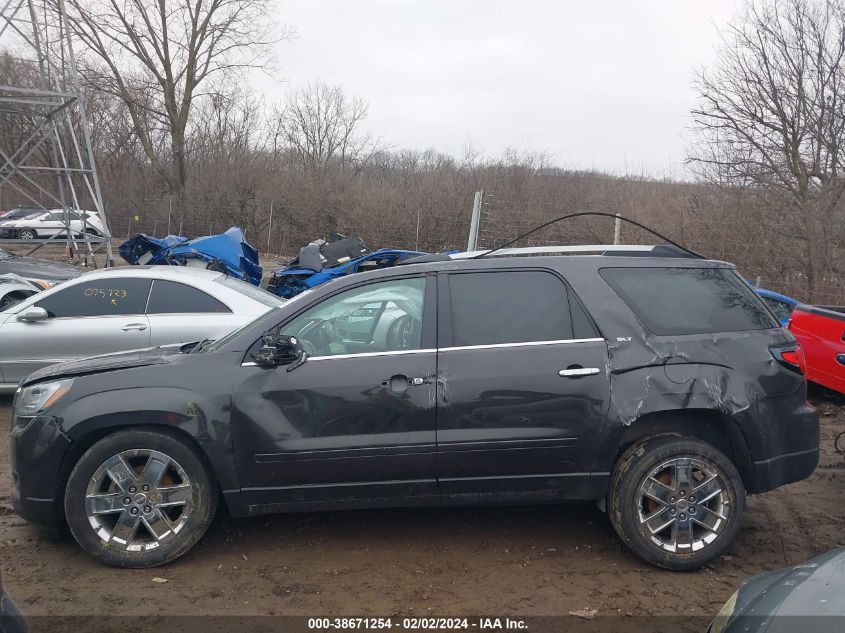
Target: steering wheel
{"x":314,"y":339}
{"x":400,"y":332}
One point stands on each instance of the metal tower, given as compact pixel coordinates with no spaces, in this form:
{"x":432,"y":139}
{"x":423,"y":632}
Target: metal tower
{"x":46,"y":158}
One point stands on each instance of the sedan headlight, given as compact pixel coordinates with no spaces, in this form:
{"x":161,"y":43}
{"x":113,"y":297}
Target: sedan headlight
{"x":720,"y":622}
{"x":36,"y":399}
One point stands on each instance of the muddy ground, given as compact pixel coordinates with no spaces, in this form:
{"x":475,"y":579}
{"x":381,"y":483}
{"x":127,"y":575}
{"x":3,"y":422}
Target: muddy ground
{"x":523,"y":561}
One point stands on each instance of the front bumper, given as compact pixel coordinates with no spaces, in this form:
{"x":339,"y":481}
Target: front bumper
{"x":37,"y":451}
{"x":8,"y":233}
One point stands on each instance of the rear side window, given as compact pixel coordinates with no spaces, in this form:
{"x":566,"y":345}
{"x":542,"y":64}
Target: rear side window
{"x":781,"y":309}
{"x":98,"y":297}
{"x":676,"y":301}
{"x":253,"y":292}
{"x":170,"y":297}
{"x":508,"y":307}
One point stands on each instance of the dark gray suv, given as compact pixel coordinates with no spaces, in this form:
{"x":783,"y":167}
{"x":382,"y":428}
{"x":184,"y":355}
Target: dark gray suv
{"x":648,"y":380}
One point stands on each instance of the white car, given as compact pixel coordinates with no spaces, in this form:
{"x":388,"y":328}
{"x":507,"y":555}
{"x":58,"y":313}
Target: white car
{"x":120,"y":309}
{"x":14,"y":288}
{"x":52,"y":222}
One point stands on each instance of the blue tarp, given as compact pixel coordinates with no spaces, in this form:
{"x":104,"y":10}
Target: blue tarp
{"x":229,"y":250}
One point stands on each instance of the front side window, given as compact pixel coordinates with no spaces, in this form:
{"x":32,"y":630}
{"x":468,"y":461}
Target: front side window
{"x":98,"y":297}
{"x":678,"y":301}
{"x":379,"y":317}
{"x":496,"y":307}
{"x":170,"y":297}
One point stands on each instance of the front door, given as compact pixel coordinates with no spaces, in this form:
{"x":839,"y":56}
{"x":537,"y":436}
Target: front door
{"x":523,"y":385}
{"x":356,"y":421}
{"x":85,"y":318}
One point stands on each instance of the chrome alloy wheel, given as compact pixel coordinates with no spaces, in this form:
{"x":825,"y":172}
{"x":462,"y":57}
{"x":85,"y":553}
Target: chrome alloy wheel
{"x":683,"y":505}
{"x":138,"y":500}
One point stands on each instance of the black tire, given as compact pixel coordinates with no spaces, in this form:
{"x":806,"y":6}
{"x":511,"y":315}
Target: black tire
{"x":27,"y":234}
{"x":186,"y":471}
{"x":629,"y":506}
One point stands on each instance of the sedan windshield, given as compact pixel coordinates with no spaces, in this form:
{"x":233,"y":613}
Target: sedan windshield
{"x":213,"y":346}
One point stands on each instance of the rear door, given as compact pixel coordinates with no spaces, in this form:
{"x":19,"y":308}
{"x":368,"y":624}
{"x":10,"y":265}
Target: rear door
{"x":523,"y":389}
{"x":89,"y":318}
{"x":180,"y":313}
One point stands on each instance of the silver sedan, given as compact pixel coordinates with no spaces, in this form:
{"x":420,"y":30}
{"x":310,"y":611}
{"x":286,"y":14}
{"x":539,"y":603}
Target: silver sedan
{"x":122,"y":309}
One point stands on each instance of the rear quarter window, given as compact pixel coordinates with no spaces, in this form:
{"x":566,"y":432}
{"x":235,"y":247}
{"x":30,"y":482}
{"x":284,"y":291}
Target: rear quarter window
{"x":677,"y":301}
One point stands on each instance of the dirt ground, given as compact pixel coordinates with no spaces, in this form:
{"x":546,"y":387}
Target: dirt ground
{"x":507,"y":561}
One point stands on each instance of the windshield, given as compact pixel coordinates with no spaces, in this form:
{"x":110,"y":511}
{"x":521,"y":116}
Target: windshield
{"x":11,"y":299}
{"x":253,"y":292}
{"x":216,"y":345}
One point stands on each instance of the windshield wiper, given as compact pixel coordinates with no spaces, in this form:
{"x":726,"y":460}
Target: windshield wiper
{"x":200,"y":345}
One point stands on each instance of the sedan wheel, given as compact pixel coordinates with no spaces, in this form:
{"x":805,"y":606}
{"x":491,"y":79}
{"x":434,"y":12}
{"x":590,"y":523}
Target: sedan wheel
{"x":139,"y":498}
{"x":26,"y":234}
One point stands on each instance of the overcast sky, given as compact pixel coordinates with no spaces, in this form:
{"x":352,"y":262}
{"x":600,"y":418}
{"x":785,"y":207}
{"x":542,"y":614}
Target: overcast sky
{"x":604,"y":85}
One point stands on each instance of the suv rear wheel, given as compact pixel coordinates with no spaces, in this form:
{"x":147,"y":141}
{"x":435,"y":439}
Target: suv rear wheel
{"x":676,"y":502}
{"x":139,"y":498}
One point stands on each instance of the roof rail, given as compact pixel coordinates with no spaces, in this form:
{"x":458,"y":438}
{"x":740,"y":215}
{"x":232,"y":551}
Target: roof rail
{"x":618,"y":250}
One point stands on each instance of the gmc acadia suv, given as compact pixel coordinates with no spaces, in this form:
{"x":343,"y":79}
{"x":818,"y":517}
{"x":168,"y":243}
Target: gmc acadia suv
{"x":648,"y":380}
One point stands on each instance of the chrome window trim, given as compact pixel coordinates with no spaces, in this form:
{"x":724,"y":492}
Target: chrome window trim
{"x":401,"y":352}
{"x":447,"y":349}
{"x":568,"y":341}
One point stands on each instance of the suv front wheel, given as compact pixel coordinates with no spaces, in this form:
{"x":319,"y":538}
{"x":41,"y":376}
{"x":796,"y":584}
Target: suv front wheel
{"x":676,"y":502}
{"x":139,"y":498}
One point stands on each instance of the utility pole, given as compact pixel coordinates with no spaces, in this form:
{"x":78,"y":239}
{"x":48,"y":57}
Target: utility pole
{"x":270,"y":226}
{"x":474,"y":222}
{"x":617,"y":228}
{"x":417,"y":238}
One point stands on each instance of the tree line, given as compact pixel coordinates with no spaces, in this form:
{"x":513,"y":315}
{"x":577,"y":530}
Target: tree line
{"x":182,"y":142}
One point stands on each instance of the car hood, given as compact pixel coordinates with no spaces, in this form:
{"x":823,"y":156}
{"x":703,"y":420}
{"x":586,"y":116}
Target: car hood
{"x":32,"y":268}
{"x":107,"y":362}
{"x":815,"y":589}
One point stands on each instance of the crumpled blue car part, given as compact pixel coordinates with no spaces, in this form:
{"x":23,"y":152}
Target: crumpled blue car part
{"x":290,"y":281}
{"x":227,"y":252}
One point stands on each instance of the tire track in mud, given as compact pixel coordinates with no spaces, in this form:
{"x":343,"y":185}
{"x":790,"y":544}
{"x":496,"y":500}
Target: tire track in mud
{"x":789,"y":526}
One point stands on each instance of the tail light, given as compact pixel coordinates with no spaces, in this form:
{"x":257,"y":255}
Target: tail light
{"x":790,"y":356}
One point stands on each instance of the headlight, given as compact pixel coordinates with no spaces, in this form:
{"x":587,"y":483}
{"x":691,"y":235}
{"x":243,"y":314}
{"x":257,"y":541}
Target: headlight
{"x":36,"y":399}
{"x":720,"y":622}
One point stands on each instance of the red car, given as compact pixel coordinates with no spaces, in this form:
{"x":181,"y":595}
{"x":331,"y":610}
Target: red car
{"x":821,"y":332}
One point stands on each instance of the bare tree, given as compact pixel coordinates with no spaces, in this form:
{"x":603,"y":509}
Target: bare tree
{"x":319,"y":126}
{"x":771,"y":116}
{"x":158,"y":55}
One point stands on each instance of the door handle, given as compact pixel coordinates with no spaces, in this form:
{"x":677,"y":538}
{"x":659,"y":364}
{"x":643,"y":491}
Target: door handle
{"x":576,"y":371}
{"x":140,"y":327}
{"x":400,"y":383}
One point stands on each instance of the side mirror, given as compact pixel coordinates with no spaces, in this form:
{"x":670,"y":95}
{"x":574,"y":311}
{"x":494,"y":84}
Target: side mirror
{"x":33,"y":314}
{"x":279,"y":349}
